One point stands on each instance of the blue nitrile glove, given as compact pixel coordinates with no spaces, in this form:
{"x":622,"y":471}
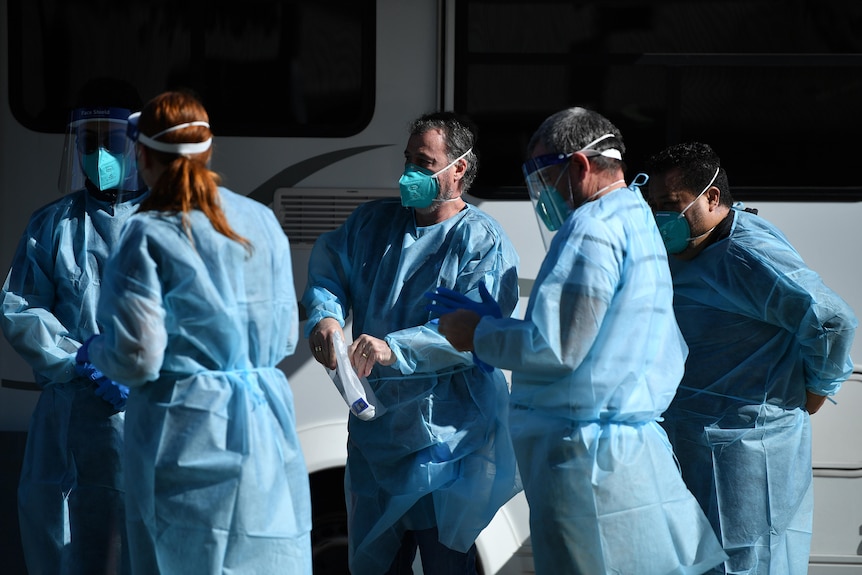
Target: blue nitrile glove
{"x":83,"y":355}
{"x":112,"y":392}
{"x":83,"y":367}
{"x":486,"y":367}
{"x":448,"y":300}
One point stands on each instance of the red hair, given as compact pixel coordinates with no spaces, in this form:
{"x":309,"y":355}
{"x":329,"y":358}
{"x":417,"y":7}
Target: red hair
{"x":187,"y":183}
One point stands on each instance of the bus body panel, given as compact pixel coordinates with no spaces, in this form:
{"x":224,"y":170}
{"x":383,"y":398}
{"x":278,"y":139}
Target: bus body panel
{"x":422,"y":61}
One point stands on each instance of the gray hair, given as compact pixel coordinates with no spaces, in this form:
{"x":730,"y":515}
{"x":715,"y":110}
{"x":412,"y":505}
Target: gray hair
{"x":458,"y":136}
{"x":571,"y":129}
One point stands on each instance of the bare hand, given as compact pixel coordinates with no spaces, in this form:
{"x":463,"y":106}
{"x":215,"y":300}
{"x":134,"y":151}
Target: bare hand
{"x":366,"y":350}
{"x":813,"y":402}
{"x":458,"y":327}
{"x":320,"y":342}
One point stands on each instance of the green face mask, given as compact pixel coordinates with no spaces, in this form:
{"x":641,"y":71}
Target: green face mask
{"x":674,"y":228}
{"x":551,"y":208}
{"x":103,"y":168}
{"x":419,"y":187}
{"x":549,"y":204}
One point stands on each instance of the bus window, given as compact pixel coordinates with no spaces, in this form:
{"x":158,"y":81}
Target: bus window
{"x":772,"y":85}
{"x":262,"y":67}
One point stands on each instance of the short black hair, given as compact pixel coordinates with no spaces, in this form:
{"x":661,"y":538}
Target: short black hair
{"x":696,"y":162}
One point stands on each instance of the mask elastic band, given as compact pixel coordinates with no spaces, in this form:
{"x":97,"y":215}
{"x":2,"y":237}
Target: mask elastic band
{"x":435,"y":200}
{"x":452,"y":163}
{"x":598,"y":192}
{"x":703,"y":191}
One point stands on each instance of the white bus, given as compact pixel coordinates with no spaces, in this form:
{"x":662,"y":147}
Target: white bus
{"x":310,"y":103}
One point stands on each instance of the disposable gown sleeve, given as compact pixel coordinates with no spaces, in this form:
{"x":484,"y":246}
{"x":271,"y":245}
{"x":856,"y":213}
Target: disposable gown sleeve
{"x":327,"y":292}
{"x":568,"y":305}
{"x":132,"y":345}
{"x":775,"y":284}
{"x":28,"y":294}
{"x":422,"y":349}
{"x":289,"y":295}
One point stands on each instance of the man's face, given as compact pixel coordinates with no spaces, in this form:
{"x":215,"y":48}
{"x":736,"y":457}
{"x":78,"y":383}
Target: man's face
{"x":101,"y":152}
{"x":668,"y":194}
{"x":96,"y":134}
{"x":556,"y":174}
{"x":428,"y":151}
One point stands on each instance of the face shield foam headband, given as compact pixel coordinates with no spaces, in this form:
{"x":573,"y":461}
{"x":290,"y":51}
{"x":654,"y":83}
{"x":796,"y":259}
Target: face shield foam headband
{"x":183,"y":149}
{"x":535,"y":166}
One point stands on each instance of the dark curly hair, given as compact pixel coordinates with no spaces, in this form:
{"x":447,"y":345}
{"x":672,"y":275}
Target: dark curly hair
{"x":696,"y":163}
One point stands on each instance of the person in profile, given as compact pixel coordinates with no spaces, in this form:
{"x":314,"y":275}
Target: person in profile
{"x":768,"y":341}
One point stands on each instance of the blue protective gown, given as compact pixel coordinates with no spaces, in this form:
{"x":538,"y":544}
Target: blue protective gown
{"x":445,"y":431}
{"x":761,"y":328}
{"x":70,"y":495}
{"x":594,"y":363}
{"x":216,"y":481}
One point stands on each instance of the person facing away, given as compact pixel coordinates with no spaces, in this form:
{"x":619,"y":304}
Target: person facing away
{"x":768,"y":342}
{"x":70,"y":492}
{"x":197,"y":308}
{"x":595,"y":361}
{"x":435,"y":467}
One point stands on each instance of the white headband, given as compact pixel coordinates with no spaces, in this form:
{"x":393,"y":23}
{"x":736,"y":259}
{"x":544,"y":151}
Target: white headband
{"x":609,"y":153}
{"x":182,"y":148}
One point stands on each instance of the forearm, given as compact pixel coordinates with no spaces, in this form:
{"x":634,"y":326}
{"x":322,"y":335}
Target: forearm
{"x":813,"y":402}
{"x":132,"y":347}
{"x":42,"y":341}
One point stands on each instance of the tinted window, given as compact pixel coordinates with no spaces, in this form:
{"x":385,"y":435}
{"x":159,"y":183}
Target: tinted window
{"x":773,"y":85}
{"x":262,"y":67}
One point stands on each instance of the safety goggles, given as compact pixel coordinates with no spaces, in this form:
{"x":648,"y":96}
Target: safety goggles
{"x":99,"y":127}
{"x":88,"y":140}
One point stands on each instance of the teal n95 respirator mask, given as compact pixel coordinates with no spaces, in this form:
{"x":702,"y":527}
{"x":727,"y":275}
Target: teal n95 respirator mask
{"x":419,"y":187}
{"x":674,"y":228}
{"x":104,"y":168}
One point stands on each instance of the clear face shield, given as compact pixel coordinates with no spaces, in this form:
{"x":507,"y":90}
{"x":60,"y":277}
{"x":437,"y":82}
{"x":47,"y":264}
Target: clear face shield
{"x":98,"y":156}
{"x":543,"y":174}
{"x":544,"y":177}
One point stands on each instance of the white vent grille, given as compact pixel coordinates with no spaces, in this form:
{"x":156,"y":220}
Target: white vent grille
{"x":305,"y":213}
